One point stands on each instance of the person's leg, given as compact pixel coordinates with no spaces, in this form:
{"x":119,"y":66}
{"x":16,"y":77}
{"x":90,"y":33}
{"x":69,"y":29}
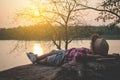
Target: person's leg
{"x":43,"y":61}
{"x":46,"y":55}
{"x":40,"y":59}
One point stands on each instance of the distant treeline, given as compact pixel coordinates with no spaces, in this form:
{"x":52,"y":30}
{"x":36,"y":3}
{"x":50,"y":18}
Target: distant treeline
{"x":44,"y":32}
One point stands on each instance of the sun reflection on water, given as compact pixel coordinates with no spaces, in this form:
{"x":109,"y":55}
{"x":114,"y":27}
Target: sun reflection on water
{"x":37,"y":49}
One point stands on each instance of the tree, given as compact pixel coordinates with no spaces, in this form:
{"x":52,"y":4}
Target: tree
{"x":112,"y":11}
{"x":56,"y":12}
{"x":109,"y":10}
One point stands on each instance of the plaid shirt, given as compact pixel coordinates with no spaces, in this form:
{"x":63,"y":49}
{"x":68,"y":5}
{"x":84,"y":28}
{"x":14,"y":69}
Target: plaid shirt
{"x":72,"y":53}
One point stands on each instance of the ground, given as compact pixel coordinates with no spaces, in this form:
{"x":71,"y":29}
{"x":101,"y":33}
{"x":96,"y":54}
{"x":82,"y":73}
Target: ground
{"x":83,"y":69}
{"x":29,"y":72}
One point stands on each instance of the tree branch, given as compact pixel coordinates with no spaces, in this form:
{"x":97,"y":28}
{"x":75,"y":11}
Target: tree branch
{"x":88,"y":7}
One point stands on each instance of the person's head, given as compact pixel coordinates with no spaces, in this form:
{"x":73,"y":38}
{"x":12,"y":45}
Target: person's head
{"x":99,"y":45}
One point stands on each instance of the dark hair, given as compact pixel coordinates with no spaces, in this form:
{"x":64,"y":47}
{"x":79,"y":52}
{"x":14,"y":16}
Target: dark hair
{"x":93,"y":39}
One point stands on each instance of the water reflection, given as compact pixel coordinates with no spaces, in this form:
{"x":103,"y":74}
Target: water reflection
{"x":37,"y":49}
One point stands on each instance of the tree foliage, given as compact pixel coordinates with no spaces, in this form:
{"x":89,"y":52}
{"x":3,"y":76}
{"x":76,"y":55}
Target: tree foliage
{"x":38,"y":32}
{"x":111,"y":11}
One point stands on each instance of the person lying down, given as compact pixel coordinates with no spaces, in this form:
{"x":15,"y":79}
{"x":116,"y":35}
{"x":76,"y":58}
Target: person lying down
{"x":98,"y":47}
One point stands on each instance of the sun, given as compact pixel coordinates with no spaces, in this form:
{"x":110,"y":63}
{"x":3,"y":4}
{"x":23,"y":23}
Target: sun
{"x":36,"y":13}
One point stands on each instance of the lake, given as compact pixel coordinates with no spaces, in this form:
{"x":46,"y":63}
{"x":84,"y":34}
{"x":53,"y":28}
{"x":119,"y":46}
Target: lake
{"x":10,"y":58}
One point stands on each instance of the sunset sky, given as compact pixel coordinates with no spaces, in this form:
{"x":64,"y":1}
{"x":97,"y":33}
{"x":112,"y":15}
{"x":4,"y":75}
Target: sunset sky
{"x":9,"y":7}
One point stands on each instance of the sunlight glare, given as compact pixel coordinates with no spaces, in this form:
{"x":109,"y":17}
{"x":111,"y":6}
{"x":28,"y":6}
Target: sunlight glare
{"x":37,"y":49}
{"x":36,"y":13}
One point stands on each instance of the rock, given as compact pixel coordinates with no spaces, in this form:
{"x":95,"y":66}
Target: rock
{"x":29,"y":72}
{"x":94,"y":69}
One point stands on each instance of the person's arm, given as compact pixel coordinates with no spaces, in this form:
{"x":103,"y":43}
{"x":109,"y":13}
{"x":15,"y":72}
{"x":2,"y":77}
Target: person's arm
{"x":88,"y":57}
{"x":91,"y":55}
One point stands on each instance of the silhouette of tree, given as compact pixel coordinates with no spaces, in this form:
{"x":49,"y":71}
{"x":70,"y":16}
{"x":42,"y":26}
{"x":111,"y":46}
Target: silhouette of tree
{"x":109,"y":10}
{"x":56,"y":12}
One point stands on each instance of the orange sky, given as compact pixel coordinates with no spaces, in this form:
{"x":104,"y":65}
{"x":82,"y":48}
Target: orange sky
{"x":7,"y":10}
{"x":9,"y":7}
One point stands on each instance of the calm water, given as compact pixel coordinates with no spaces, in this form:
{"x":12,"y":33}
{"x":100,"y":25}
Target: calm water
{"x":18,"y":56}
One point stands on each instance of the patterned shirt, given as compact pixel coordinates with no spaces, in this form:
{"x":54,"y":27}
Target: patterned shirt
{"x":72,"y":53}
